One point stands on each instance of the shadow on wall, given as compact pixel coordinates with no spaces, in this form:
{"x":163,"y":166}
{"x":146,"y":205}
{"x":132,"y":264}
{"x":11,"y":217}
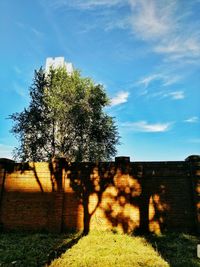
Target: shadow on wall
{"x":116,"y":195}
{"x":32,"y":195}
{"x":123,"y":195}
{"x":89,"y":182}
{"x":132,"y":204}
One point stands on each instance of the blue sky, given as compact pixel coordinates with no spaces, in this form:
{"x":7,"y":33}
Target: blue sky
{"x":146,"y":53}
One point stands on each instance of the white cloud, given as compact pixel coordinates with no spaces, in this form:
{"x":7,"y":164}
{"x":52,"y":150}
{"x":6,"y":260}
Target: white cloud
{"x":20,"y":90}
{"x":144,"y":126}
{"x":171,"y":79}
{"x":151,"y":19}
{"x":193,"y":119}
{"x":95,"y":3}
{"x":177,"y":95}
{"x":180,"y":47}
{"x":147,"y":80}
{"x":120,"y":98}
{"x":6,"y":151}
{"x":163,"y":24}
{"x":87,"y":4}
{"x":36,"y":32}
{"x":163,"y":80}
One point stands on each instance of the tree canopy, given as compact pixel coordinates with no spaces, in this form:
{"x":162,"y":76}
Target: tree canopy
{"x":65,"y":118}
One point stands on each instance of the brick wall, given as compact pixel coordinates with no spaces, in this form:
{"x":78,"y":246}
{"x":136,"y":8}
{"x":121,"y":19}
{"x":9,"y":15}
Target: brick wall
{"x":139,"y":196}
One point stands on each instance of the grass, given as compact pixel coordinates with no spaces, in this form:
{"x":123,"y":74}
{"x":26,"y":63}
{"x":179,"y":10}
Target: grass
{"x":29,"y":249}
{"x":177,"y":249}
{"x":98,"y":249}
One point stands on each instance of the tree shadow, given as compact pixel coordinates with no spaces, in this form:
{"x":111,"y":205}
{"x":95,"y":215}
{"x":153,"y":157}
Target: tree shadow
{"x":90,"y":179}
{"x":128,"y":196}
{"x":134,"y":201}
{"x":7,"y":166}
{"x":25,"y":167}
{"x":56,"y":252}
{"x":32,"y":196}
{"x":124,"y":195}
{"x":57,"y":168}
{"x":119,"y":208}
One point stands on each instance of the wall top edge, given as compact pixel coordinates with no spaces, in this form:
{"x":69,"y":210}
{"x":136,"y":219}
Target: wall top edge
{"x":118,"y":160}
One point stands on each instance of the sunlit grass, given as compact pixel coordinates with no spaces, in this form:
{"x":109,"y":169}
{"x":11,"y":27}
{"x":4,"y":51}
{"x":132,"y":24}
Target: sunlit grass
{"x":108,"y":249}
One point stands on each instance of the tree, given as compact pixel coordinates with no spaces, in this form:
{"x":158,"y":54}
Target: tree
{"x":65,"y":118}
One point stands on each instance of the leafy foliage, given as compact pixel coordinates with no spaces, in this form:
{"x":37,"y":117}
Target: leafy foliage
{"x":65,"y":118}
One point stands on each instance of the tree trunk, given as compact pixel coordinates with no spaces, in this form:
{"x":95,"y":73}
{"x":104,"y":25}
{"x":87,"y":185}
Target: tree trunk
{"x":87,"y":216}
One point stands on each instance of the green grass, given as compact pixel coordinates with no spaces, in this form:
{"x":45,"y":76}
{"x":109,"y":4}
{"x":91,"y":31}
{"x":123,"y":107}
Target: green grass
{"x":180,"y":250}
{"x":98,"y":249}
{"x":106,"y":249}
{"x":28,"y":250}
